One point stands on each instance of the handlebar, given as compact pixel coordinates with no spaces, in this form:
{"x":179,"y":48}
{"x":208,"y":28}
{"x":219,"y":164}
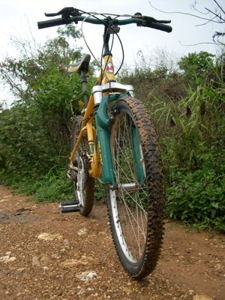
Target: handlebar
{"x":51,"y":23}
{"x":70,"y":14}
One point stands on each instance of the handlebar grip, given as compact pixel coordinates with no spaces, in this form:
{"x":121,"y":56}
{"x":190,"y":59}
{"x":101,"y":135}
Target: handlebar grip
{"x":51,"y":23}
{"x":159,"y":26}
{"x":153,"y":23}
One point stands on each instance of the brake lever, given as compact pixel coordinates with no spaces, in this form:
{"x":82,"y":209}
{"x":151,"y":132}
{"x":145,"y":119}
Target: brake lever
{"x":66,"y":12}
{"x":163,"y":21}
{"x":146,"y":20}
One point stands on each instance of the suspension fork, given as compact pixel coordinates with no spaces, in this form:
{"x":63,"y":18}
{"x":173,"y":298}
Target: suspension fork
{"x":103,"y":135}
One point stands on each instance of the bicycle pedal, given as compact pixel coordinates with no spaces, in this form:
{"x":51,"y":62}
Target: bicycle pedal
{"x":69,"y":206}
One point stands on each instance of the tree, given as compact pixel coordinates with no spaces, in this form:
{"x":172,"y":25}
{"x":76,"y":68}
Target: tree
{"x":197,"y":66}
{"x":35,"y":131}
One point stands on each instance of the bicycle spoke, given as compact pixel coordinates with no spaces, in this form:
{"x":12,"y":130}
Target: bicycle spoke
{"x":132,"y":214}
{"x":128,"y":209}
{"x":138,"y":190}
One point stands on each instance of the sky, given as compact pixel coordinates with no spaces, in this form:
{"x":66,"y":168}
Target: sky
{"x":18,"y":19}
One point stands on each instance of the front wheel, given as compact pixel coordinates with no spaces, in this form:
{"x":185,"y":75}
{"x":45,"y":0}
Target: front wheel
{"x":135,"y":202}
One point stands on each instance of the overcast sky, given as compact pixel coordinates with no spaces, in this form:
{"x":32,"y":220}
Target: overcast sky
{"x":19,"y":18}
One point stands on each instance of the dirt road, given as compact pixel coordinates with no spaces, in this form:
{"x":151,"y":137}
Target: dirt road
{"x":48,"y":255}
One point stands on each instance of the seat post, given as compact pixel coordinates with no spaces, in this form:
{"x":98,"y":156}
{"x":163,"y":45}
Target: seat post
{"x":83,"y":77}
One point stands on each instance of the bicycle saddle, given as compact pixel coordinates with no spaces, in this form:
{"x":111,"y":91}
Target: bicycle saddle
{"x":83,"y":65}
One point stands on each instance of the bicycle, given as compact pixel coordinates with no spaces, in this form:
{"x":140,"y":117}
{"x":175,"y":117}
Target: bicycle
{"x":113,"y":139}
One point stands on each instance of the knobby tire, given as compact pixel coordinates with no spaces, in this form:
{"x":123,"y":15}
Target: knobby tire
{"x":136,"y":216}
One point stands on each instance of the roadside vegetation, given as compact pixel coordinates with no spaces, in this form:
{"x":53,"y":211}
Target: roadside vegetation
{"x":35,"y":131}
{"x":186,"y":104}
{"x":187,"y":107}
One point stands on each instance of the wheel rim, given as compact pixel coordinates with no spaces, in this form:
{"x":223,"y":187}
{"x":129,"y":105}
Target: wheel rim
{"x":81,"y":179}
{"x":129,"y":199}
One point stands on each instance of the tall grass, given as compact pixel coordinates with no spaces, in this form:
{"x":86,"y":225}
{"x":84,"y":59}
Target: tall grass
{"x":189,"y":116}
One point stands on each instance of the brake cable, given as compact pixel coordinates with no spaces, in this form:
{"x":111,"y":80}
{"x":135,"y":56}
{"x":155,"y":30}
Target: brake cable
{"x":92,"y":14}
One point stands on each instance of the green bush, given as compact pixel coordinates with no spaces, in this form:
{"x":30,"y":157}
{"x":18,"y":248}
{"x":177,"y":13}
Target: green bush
{"x":198,"y":196}
{"x":54,"y":187}
{"x":187,"y":109}
{"x":35,"y":131}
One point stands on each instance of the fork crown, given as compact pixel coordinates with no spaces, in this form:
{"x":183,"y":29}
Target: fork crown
{"x":114,"y":88}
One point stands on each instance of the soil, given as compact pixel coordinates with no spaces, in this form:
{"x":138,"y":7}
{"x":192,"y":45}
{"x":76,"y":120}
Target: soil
{"x":45,"y":254}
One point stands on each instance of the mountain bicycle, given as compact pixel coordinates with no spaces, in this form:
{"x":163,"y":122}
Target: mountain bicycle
{"x":113,"y":139}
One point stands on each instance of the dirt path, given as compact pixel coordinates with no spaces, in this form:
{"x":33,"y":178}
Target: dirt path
{"x":48,"y":255}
